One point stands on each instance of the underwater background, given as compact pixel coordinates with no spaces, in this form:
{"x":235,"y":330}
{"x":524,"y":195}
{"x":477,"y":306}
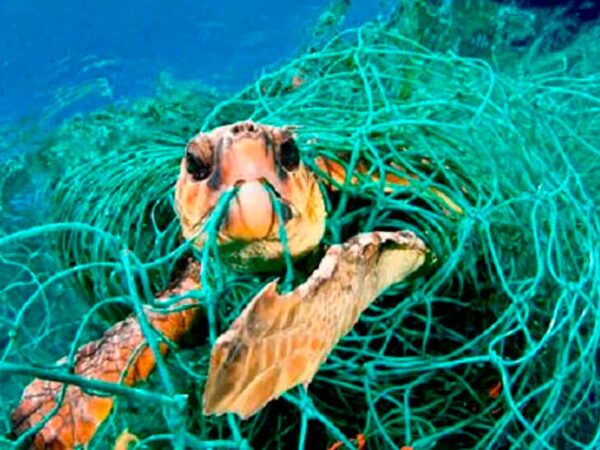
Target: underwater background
{"x":117,"y":49}
{"x":497,"y":103}
{"x":75,"y":56}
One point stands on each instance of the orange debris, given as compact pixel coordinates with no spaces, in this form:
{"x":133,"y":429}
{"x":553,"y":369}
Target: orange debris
{"x":124,"y":439}
{"x":360,"y":440}
{"x":297,"y":81}
{"x":494,"y":391}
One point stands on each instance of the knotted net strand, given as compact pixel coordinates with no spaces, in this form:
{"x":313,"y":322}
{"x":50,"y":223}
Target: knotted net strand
{"x":494,"y":346}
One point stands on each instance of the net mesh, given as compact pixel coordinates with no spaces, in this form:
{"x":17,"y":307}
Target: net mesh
{"x":495,"y":346}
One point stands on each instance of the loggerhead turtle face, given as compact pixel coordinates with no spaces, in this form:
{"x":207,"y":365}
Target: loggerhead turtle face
{"x":250,"y":156}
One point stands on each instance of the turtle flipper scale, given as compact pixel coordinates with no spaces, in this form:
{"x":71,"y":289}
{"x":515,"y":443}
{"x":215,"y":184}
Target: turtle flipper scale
{"x":280,"y":340}
{"x":120,"y":356}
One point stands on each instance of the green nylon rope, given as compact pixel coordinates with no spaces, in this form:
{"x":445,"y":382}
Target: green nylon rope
{"x":509,"y":301}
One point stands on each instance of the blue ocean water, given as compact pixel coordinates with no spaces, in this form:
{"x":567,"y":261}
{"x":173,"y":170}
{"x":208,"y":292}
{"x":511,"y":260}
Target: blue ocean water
{"x":74,"y":56}
{"x":103,"y":51}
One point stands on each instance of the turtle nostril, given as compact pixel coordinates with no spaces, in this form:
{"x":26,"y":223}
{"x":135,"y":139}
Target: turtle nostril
{"x":244,"y":127}
{"x":286,"y":211}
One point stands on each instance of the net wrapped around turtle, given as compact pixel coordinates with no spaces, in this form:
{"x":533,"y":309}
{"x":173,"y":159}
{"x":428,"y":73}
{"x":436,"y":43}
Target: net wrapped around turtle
{"x":495,"y":345}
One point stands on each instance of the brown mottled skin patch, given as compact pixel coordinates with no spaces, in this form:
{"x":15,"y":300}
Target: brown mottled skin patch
{"x":120,"y":356}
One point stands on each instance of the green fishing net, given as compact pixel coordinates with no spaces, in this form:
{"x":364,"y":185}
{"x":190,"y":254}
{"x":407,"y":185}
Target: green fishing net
{"x":493,"y":112}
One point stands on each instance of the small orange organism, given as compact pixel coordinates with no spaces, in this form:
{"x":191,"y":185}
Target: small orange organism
{"x":494,"y":391}
{"x":360,"y":440}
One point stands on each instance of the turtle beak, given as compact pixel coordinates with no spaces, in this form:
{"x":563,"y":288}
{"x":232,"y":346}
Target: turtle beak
{"x":246,"y":159}
{"x":252,"y":214}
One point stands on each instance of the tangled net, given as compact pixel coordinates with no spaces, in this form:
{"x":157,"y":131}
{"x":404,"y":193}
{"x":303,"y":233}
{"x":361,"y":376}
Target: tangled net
{"x":496,"y":346}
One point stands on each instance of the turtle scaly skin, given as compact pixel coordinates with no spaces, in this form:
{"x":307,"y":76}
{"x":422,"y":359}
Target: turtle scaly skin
{"x":121,"y":355}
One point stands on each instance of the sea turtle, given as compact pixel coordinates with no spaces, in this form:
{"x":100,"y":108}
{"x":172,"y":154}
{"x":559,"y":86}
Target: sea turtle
{"x":280,"y":339}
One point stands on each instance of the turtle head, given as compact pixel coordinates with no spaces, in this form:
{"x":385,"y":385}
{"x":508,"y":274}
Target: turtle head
{"x":263,"y":165}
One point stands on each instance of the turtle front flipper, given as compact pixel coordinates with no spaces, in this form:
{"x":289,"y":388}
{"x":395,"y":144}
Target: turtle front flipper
{"x":280,"y":341}
{"x":120,"y":356}
{"x":336,"y":173}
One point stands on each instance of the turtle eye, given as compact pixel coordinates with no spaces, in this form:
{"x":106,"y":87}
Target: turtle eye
{"x":198,"y":169}
{"x":289,"y":155}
